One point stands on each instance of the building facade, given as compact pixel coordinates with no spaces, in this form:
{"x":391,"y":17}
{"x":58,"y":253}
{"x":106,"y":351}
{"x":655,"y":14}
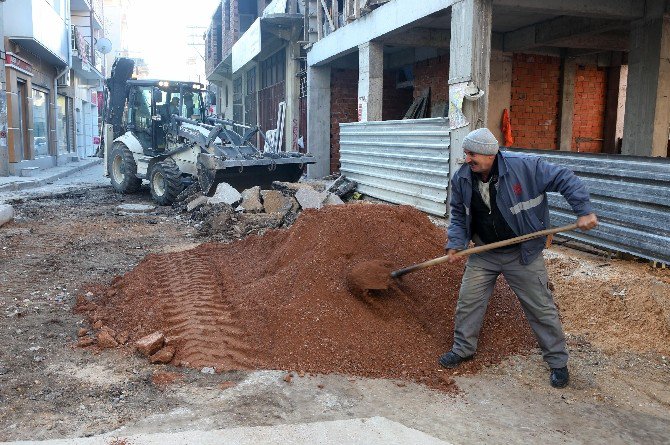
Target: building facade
{"x":253,"y":60}
{"x":53,"y":73}
{"x":571,"y":78}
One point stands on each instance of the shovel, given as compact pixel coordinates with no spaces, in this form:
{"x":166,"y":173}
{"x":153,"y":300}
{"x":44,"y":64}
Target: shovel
{"x":374,"y":275}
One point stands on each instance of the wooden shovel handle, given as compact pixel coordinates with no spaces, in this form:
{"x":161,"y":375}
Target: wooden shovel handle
{"x":484,"y":248}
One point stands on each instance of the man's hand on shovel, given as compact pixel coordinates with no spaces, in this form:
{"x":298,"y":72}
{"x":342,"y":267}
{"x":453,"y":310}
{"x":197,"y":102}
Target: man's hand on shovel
{"x":452,"y":256}
{"x":587,"y":222}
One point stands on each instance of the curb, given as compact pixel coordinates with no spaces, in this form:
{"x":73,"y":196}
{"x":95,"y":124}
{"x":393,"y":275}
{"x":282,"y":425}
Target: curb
{"x":39,"y":182}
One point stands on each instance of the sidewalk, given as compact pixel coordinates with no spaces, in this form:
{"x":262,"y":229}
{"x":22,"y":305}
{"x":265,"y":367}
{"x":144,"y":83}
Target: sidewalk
{"x":44,"y":177}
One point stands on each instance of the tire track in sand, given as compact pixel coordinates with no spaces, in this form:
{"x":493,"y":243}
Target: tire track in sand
{"x":198,"y":320}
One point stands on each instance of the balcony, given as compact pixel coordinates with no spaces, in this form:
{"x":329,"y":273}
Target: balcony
{"x":91,"y":8}
{"x":37,"y":27}
{"x":86,"y":61}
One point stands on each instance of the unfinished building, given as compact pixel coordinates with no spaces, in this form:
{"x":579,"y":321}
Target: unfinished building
{"x":561,"y":77}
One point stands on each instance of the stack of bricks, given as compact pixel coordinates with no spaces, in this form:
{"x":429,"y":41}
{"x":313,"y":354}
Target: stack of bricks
{"x":534,"y":105}
{"x":344,"y":108}
{"x":589,"y":115}
{"x":433,"y":73}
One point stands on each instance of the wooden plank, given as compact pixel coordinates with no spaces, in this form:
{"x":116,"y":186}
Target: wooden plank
{"x":325,"y":10}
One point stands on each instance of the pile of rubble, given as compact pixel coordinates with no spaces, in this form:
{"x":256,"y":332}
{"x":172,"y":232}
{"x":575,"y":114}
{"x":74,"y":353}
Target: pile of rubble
{"x":229,"y":214}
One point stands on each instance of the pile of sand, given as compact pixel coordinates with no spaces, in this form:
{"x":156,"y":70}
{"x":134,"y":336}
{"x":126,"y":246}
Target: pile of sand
{"x":281,"y":301}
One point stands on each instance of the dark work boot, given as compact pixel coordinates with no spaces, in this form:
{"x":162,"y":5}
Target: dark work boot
{"x":451,"y":359}
{"x":559,"y":377}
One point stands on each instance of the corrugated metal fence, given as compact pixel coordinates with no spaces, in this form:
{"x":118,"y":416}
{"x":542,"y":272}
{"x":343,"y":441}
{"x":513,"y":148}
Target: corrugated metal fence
{"x":404,"y":161}
{"x":630,"y":195}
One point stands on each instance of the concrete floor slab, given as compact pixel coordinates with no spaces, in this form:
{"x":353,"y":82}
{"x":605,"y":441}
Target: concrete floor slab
{"x":369,"y":431}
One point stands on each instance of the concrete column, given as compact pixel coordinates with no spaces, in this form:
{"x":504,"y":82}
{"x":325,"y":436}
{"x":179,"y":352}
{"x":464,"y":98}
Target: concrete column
{"x":370,"y":81}
{"x":469,"y":62}
{"x":500,"y":90}
{"x":568,"y":73}
{"x":292,"y":96}
{"x":647,"y":119}
{"x":318,"y":120}
{"x":4,"y":147}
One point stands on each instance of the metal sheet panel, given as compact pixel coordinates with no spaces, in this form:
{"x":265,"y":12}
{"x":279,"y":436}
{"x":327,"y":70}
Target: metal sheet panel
{"x":404,"y":161}
{"x":630,"y":195}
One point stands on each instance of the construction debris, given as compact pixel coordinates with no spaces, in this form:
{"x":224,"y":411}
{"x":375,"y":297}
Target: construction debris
{"x":251,"y":200}
{"x":226,"y":194}
{"x":221,"y":218}
{"x":6,"y":214}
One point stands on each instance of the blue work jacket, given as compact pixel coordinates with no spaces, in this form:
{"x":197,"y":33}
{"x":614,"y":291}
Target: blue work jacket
{"x":521,"y":197}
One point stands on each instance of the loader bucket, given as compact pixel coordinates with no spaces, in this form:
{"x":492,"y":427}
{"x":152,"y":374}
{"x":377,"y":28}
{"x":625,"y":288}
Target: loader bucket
{"x":254,"y":171}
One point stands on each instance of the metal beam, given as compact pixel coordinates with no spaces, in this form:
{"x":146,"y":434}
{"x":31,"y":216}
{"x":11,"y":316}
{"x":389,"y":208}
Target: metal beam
{"x":554,"y":32}
{"x":613,"y":9}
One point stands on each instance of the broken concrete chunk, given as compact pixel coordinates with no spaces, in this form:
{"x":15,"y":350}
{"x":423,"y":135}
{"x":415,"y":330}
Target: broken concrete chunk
{"x":135,"y":208}
{"x":6,"y":214}
{"x":332,"y":199}
{"x":226,"y":194}
{"x":310,"y":199}
{"x":151,"y":343}
{"x":197,"y":202}
{"x":251,"y":200}
{"x":163,"y":356}
{"x":342,"y":186}
{"x":290,"y":188}
{"x":105,"y":340}
{"x":275,"y":202}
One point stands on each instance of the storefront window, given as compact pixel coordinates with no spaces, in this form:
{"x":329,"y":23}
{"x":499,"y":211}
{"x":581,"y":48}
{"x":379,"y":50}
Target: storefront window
{"x":40,"y":123}
{"x":61,"y":123}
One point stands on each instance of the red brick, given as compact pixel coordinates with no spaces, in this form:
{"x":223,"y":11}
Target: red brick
{"x":151,"y":343}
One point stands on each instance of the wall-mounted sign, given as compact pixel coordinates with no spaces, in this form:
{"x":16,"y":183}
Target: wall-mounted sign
{"x":14,"y":61}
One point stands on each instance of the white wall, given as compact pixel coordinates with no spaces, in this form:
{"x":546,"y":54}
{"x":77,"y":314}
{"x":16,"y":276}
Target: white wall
{"x":39,"y":20}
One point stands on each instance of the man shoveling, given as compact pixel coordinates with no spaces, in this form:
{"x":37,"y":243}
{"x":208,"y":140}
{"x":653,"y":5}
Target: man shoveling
{"x":497,"y":196}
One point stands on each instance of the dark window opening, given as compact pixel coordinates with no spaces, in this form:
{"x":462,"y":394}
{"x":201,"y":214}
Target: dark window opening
{"x":273,"y":69}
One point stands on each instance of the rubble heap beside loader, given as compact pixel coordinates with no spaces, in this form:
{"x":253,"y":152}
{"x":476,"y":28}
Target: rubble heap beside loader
{"x":158,"y":130}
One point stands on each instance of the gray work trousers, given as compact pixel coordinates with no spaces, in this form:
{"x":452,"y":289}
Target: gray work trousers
{"x":529,"y":283}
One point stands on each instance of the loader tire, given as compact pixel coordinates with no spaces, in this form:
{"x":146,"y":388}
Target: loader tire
{"x":165,"y":182}
{"x":123,"y":170}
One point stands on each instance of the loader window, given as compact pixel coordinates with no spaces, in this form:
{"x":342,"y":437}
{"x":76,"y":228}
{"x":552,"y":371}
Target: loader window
{"x":141,"y":117}
{"x":193,"y":106}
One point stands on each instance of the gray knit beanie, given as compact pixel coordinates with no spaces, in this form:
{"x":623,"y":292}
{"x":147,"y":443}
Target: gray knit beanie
{"x":481,"y":141}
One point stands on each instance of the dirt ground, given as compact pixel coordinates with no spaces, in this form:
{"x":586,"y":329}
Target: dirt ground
{"x":616,"y":314}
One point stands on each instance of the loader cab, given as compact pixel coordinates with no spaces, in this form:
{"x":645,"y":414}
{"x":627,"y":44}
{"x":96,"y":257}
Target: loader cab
{"x":152,"y":105}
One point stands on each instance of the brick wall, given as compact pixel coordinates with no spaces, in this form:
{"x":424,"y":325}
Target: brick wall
{"x":534,"y":106}
{"x":343,"y":108}
{"x":589,"y":113}
{"x":231,"y":25}
{"x":433,"y":73}
{"x":344,"y":105}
